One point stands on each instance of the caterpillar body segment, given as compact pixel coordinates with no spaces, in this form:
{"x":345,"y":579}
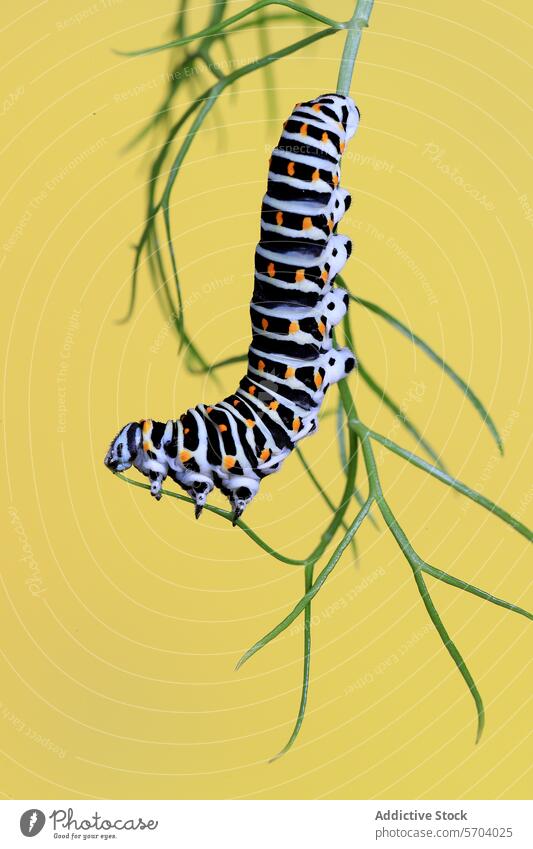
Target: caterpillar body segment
{"x":238,"y":441}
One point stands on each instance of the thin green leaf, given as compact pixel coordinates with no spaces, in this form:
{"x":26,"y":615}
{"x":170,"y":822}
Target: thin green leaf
{"x":153,"y":207}
{"x":472,"y":397}
{"x":229,"y":361}
{"x":453,"y":482}
{"x":470,"y":588}
{"x":399,"y":413}
{"x":375,"y":491}
{"x":170,"y":246}
{"x":230,"y":59}
{"x":181,"y":72}
{"x":205,"y":104}
{"x":414,"y":558}
{"x":263,"y":37}
{"x":306,"y":669}
{"x":233,"y":19}
{"x":452,"y":650}
{"x":179,"y":23}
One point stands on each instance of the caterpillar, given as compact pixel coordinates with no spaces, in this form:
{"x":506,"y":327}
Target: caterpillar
{"x":292,"y":361}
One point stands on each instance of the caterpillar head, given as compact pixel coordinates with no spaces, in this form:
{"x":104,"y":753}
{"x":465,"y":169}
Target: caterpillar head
{"x":140,"y":444}
{"x":124,"y":448}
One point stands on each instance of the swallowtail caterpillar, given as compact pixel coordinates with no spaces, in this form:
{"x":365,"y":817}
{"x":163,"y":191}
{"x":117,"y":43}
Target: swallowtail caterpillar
{"x":295,"y":305}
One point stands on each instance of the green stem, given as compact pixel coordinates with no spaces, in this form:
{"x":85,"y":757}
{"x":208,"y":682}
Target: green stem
{"x":379,"y":390}
{"x":225,"y":515}
{"x":307,"y":598}
{"x":403,"y":542}
{"x":358,"y":22}
{"x":316,"y":483}
{"x":349,"y":485}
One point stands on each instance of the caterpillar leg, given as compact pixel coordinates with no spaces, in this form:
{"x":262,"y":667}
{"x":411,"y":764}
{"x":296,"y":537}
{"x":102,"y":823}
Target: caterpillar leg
{"x":340,"y":203}
{"x":240,"y":491}
{"x":335,"y":306}
{"x":157,"y":475}
{"x":198,"y":487}
{"x":337,"y":254}
{"x":338,"y":364}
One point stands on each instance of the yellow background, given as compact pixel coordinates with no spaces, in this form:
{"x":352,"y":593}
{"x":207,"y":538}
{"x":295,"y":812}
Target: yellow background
{"x":122,"y":659}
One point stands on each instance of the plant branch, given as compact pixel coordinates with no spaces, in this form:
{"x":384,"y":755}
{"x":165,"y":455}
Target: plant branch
{"x":449,"y":481}
{"x":225,"y":514}
{"x":416,"y":340}
{"x":322,"y":577}
{"x":219,"y":27}
{"x":358,"y":22}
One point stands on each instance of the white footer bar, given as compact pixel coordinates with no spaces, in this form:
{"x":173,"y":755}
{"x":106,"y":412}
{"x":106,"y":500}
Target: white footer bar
{"x":267,"y":824}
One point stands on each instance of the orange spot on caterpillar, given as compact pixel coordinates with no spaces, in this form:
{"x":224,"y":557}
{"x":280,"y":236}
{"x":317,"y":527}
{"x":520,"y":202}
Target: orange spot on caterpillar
{"x":307,"y":223}
{"x":271,"y":269}
{"x":318,"y":380}
{"x":316,"y":107}
{"x":325,"y":137}
{"x":300,"y":275}
{"x":316,"y":176}
{"x":147,"y":426}
{"x":236,"y":402}
{"x":341,"y":147}
{"x":186,"y":430}
{"x":294,"y":327}
{"x":222,"y":428}
{"x":146,"y":446}
{"x":279,"y":218}
{"x":335,"y":180}
{"x":290,"y":372}
{"x":229,"y":462}
{"x":291,"y":169}
{"x":260,"y":365}
{"x":264,"y":323}
{"x":251,"y":390}
{"x":324,"y":275}
{"x":184,"y":456}
{"x":330,"y":224}
{"x":274,"y":405}
{"x":303,"y":130}
{"x":296,"y":424}
{"x":250,"y":422}
{"x":265,"y":454}
{"x":322,"y":328}
{"x":209,"y":409}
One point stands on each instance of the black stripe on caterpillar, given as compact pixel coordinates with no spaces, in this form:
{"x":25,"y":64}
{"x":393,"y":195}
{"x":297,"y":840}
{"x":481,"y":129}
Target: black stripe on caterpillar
{"x":240,"y":440}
